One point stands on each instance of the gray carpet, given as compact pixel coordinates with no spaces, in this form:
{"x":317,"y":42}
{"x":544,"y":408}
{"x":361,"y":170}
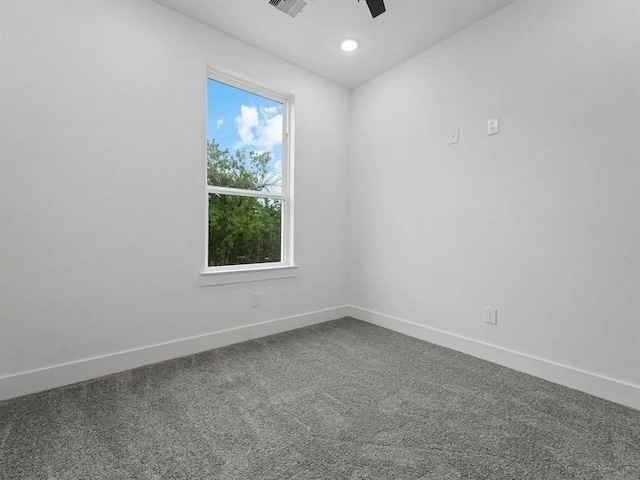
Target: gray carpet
{"x":341,"y":400}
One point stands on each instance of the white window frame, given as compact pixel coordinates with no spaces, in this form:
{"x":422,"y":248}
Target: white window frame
{"x":260,"y":271}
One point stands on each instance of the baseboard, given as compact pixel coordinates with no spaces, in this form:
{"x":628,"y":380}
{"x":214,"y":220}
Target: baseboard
{"x":598,"y":385}
{"x":65,"y":374}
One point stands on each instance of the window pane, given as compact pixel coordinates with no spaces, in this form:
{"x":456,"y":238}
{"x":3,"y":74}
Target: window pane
{"x":244,"y":230}
{"x":244,"y":139}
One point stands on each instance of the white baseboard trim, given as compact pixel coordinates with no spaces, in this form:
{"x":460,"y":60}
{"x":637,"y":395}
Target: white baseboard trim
{"x":46,"y":378}
{"x":598,"y":385}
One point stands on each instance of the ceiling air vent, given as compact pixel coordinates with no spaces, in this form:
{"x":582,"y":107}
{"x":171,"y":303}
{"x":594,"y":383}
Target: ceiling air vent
{"x":290,"y":7}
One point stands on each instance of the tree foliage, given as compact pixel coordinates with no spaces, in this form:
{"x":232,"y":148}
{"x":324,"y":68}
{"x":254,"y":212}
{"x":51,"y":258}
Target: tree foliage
{"x":242,"y":229}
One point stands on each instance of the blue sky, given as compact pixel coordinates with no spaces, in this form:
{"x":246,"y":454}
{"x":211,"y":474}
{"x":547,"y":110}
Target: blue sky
{"x":238,"y":119}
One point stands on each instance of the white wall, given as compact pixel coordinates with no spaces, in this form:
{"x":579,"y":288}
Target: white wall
{"x":102,"y":170}
{"x":541,"y":221}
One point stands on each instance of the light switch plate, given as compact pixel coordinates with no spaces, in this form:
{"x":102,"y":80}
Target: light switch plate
{"x":454,"y":136}
{"x":493,"y":126}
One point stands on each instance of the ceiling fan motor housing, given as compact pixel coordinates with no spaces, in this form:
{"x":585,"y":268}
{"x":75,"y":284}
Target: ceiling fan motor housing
{"x":290,"y":7}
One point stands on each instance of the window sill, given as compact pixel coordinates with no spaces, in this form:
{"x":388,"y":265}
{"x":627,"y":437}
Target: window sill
{"x":210,"y":278}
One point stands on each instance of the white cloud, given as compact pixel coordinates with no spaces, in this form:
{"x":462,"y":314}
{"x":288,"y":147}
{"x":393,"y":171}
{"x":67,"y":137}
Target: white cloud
{"x":247,"y":122}
{"x":261,"y":130}
{"x":270,"y":111}
{"x":219,"y":123}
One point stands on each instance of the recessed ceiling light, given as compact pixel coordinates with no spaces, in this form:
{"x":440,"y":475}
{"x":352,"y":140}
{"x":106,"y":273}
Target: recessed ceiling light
{"x":349,"y":45}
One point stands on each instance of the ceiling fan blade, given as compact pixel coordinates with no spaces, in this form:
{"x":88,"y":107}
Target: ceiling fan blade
{"x":376,"y":7}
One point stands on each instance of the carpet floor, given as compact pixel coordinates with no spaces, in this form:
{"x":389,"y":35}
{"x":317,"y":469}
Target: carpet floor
{"x":340,"y":400}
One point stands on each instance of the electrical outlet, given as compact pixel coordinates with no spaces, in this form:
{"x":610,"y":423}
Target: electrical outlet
{"x":491,"y":315}
{"x":255,"y":299}
{"x":493,"y":126}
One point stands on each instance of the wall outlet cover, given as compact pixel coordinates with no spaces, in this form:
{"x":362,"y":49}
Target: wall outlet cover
{"x":491,"y":315}
{"x":493,"y":126}
{"x":255,"y":299}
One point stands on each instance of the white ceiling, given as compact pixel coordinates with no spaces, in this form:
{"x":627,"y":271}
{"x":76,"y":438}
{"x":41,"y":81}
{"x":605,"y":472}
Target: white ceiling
{"x":312,"y":39}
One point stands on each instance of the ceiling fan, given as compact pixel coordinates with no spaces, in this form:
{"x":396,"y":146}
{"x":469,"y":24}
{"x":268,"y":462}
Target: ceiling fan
{"x":294,"y":7}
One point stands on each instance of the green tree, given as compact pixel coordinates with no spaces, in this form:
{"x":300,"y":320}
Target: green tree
{"x":242,"y":229}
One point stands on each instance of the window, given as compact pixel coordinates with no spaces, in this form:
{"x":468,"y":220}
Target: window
{"x":248,"y":177}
